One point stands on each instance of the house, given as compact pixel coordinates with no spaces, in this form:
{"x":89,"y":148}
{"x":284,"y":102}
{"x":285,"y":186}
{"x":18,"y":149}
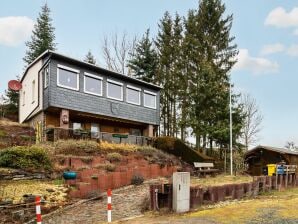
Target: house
{"x":62,"y":92}
{"x":258,"y":158}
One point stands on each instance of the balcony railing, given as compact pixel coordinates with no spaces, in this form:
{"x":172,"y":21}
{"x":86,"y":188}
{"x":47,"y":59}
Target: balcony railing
{"x":54,"y":134}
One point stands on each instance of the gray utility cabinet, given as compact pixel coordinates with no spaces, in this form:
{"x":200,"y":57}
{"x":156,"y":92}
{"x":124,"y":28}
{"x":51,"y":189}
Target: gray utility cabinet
{"x":181,"y":191}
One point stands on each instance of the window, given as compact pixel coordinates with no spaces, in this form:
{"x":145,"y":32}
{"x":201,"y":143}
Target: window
{"x":33,"y":91}
{"x":133,"y":95}
{"x":76,"y":126}
{"x":92,"y":84}
{"x":46,"y":76}
{"x":114,"y":90}
{"x":149,"y":99}
{"x":24,"y":97}
{"x":68,"y":77}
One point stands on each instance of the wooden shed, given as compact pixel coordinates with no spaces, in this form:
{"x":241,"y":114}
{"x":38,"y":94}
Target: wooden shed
{"x":258,"y":158}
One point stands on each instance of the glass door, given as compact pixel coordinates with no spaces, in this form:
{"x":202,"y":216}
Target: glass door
{"x":94,"y":130}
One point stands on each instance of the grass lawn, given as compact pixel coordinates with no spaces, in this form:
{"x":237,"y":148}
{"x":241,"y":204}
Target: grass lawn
{"x":275,"y":208}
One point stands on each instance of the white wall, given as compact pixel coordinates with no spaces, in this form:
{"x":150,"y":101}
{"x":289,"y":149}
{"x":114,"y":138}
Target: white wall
{"x":32,"y":98}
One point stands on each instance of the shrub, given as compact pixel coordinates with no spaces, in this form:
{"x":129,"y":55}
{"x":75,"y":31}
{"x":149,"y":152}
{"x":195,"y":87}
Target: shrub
{"x":113,"y":147}
{"x":114,"y":157}
{"x":178,"y":148}
{"x":3,"y":133}
{"x":137,"y":180}
{"x":22,"y":157}
{"x":76,"y":147}
{"x":110,"y":167}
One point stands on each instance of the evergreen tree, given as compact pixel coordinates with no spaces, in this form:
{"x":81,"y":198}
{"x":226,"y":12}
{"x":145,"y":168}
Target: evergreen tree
{"x":144,"y":61}
{"x":165,"y":53}
{"x":42,"y":37}
{"x":214,"y":58}
{"x":11,"y":101}
{"x":89,"y":58}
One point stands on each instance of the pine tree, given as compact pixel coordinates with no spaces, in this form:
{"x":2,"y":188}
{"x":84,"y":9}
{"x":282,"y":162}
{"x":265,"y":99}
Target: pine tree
{"x":42,"y":37}
{"x":89,"y":58}
{"x":165,"y":50}
{"x":144,"y":61}
{"x":11,"y":101}
{"x":214,"y":57}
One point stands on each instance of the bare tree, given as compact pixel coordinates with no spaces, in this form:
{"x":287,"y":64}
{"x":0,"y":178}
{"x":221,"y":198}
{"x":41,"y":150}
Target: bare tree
{"x":252,"y":122}
{"x":117,"y":51}
{"x":291,"y":145}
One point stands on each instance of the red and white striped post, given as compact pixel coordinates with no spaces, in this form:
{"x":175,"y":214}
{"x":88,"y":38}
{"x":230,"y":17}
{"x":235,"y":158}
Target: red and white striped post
{"x":109,"y":205}
{"x":38,"y":210}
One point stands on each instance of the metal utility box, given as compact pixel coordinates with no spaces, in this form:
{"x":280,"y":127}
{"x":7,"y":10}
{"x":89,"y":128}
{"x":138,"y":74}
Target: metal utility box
{"x":181,"y":191}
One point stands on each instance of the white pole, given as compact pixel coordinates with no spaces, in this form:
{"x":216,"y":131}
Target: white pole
{"x":231,"y":137}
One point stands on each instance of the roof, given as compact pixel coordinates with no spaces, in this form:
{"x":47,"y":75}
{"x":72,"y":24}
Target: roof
{"x":90,"y":66}
{"x":274,"y":149}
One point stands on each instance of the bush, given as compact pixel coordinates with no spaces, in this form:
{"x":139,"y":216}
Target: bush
{"x":178,"y":148}
{"x":28,"y":158}
{"x":76,"y":147}
{"x":114,"y":157}
{"x":110,"y":167}
{"x":137,"y":180}
{"x":113,"y":147}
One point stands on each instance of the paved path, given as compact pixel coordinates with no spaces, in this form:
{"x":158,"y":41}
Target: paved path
{"x":126,"y":202}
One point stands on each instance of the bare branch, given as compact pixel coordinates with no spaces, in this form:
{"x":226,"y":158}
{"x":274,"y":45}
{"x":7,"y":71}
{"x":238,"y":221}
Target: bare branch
{"x":253,"y":120}
{"x":117,"y":52}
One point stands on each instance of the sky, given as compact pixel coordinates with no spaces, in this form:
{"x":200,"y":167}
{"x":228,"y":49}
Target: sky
{"x":266,"y":32}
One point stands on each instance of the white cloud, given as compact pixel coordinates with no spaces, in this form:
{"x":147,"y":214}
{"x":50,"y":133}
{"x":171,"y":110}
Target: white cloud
{"x":295,"y":32}
{"x":256,"y":65}
{"x":293,"y":50}
{"x":272,"y":48}
{"x":279,"y":17}
{"x":15,"y":29}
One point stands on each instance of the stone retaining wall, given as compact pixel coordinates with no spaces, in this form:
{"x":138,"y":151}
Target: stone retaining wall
{"x":213,"y":194}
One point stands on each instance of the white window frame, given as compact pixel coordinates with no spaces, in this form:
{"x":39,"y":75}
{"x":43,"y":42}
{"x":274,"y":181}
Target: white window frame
{"x":133,"y":88}
{"x":71,"y":70}
{"x":94,"y":77}
{"x":153,"y":94}
{"x":116,"y":83}
{"x":46,"y":84}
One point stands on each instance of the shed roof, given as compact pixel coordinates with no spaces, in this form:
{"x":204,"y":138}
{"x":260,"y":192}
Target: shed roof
{"x":274,"y":149}
{"x":91,"y":66}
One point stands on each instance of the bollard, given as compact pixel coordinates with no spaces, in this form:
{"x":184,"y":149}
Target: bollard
{"x":38,"y":210}
{"x":109,"y":205}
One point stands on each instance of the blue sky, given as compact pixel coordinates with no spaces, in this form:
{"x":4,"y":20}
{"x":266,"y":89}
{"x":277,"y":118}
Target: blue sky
{"x":266,"y":33}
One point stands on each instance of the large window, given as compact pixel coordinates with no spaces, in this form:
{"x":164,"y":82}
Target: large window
{"x":114,"y":90}
{"x":133,"y":95}
{"x":68,"y":77}
{"x":92,"y":84}
{"x":149,"y":99}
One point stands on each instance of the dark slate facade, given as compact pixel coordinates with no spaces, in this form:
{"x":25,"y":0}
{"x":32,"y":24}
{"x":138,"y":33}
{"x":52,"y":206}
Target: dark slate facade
{"x":55,"y":96}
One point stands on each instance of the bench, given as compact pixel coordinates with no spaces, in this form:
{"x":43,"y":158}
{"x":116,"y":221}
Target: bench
{"x":205,"y":168}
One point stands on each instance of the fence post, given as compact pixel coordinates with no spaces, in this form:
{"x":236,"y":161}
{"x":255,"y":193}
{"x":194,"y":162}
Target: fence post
{"x":109,"y":205}
{"x":38,"y":210}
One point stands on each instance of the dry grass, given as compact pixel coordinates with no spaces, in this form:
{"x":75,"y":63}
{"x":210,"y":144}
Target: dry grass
{"x":16,"y":189}
{"x":220,"y":180}
{"x":6,"y":122}
{"x":113,"y":147}
{"x":275,"y":208}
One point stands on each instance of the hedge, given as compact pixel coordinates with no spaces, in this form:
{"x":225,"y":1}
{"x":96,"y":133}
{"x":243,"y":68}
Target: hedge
{"x":24,"y":157}
{"x":180,"y":149}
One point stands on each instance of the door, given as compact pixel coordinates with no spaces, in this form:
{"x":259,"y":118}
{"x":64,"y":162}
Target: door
{"x":94,"y":130}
